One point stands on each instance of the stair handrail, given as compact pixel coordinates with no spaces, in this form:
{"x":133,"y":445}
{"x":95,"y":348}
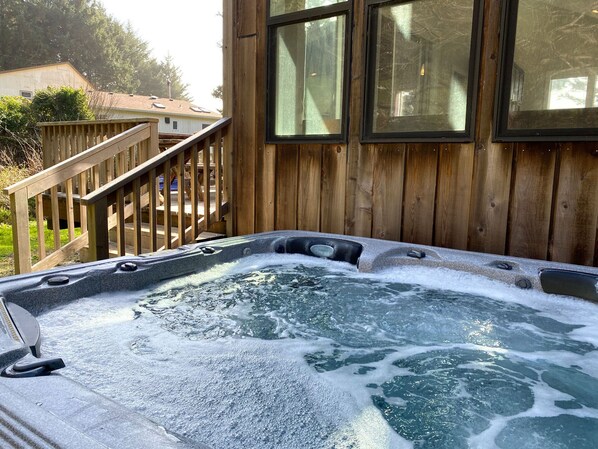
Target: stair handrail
{"x":66,"y":173}
{"x":144,"y":176}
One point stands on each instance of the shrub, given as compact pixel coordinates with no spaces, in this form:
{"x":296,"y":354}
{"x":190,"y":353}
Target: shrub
{"x":9,"y":175}
{"x":60,"y":104}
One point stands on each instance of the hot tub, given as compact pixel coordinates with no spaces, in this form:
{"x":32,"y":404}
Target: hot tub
{"x":301,"y":340}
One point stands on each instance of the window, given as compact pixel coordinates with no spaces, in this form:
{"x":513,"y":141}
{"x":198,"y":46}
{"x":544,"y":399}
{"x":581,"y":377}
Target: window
{"x":422,"y":67}
{"x":548,"y":79}
{"x":308,"y":63}
{"x":26,"y":94}
{"x":167,"y":120}
{"x":204,"y":125}
{"x":175,"y":124}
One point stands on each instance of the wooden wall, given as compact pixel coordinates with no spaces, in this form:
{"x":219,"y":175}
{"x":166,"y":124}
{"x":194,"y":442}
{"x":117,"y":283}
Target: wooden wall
{"x":537,"y":200}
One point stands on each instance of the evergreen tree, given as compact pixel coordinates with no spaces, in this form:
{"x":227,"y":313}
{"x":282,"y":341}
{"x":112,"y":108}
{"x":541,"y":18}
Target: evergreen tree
{"x":110,"y":54}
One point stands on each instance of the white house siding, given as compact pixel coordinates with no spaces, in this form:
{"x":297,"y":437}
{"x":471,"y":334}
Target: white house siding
{"x":185,"y":125}
{"x":32,"y":79}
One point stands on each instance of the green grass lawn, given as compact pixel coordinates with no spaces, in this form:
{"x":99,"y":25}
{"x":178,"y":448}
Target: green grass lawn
{"x":6,"y":251}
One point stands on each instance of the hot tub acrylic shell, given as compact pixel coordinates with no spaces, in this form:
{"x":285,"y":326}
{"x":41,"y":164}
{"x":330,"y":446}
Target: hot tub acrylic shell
{"x":52,"y":409}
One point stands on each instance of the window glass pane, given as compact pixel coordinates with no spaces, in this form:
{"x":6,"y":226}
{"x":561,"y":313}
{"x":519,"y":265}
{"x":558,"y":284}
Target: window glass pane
{"x":309,"y":77}
{"x":278,"y":7}
{"x":555,"y":65}
{"x":421,"y":71}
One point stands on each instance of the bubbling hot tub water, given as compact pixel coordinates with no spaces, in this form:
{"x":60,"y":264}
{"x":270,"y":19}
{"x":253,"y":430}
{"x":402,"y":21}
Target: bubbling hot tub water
{"x":294,"y":352}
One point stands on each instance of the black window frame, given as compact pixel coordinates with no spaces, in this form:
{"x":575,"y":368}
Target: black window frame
{"x":369,"y":86}
{"x":501,"y":131}
{"x":308,"y":15}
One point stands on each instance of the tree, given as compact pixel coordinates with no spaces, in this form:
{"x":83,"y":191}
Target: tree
{"x":108,"y":53}
{"x":217,"y":92}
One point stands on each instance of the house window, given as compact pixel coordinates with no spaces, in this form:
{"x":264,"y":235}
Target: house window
{"x":204,"y":125}
{"x":26,"y":94}
{"x":308,"y":63}
{"x":548,"y":82}
{"x":175,"y":124}
{"x":167,"y":120}
{"x":422,"y":67}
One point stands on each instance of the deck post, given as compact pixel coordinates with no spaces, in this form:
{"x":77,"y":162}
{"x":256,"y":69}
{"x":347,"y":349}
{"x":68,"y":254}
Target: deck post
{"x":19,"y":210}
{"x":154,"y":143}
{"x":97,"y":227}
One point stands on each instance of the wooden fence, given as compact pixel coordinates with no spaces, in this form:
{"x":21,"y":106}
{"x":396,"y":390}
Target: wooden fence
{"x":201,"y":156}
{"x":57,"y":189}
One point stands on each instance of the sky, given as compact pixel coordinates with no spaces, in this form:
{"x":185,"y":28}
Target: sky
{"x":190,"y":30}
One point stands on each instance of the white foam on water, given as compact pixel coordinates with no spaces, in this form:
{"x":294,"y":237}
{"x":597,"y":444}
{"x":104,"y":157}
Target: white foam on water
{"x":238,"y":392}
{"x":229,"y":393}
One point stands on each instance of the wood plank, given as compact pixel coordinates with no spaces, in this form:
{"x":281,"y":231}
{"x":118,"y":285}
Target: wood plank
{"x":332,"y":193}
{"x":244,"y":135}
{"x":206,"y":182}
{"x":137,"y":216}
{"x":246,"y":14}
{"x":97,"y":218}
{"x":287,"y":160}
{"x":180,"y":172}
{"x":420,"y":193}
{"x":265,"y":187}
{"x":70,"y":213}
{"x":363,"y":195}
{"x":55,"y":216}
{"x":490,"y":198}
{"x":62,"y":254}
{"x":455,"y":175}
{"x":354,"y":149}
{"x":19,"y":211}
{"x":153,"y":194}
{"x":531,"y":201}
{"x":39,"y":217}
{"x":120,"y":222}
{"x":228,"y":89}
{"x":195,"y":188}
{"x":388,"y":180}
{"x":308,"y":193}
{"x":265,"y":182}
{"x":575,"y":215}
{"x":218,"y":174}
{"x":82,"y":208}
{"x":167,"y":206}
{"x":492,"y":161}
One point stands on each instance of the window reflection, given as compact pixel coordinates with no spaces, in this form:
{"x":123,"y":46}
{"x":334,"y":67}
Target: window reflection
{"x":309,"y":77}
{"x":555,"y":63}
{"x":421,"y":66}
{"x":278,"y":7}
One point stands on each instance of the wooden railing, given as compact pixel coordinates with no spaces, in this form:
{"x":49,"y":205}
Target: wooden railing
{"x":62,"y":140}
{"x":195,"y":162}
{"x":61,"y":185}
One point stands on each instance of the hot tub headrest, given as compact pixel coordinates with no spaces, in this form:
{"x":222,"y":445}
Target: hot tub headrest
{"x":570,"y":283}
{"x":327,"y":248}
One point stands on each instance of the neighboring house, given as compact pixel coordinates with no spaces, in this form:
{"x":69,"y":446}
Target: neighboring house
{"x":176,"y":116}
{"x":26,"y":81}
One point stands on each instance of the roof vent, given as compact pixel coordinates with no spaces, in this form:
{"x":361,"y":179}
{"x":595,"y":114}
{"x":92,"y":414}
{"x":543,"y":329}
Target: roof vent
{"x":130,"y":95}
{"x":153,"y":97}
{"x":158,"y":105}
{"x":198,"y":109}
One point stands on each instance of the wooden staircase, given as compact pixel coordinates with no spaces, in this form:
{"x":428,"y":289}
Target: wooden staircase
{"x":116,"y":193}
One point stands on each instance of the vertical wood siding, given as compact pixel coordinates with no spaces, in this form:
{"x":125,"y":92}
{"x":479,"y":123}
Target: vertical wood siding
{"x":536,"y":200}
